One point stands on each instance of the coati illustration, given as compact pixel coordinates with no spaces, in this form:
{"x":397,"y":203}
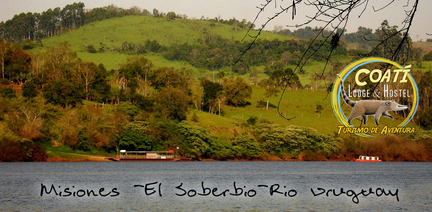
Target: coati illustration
{"x":364,"y":108}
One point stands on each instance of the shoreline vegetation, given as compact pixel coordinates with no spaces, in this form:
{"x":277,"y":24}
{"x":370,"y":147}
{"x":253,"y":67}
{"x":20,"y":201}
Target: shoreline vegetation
{"x":404,"y":150}
{"x":157,"y":81}
{"x":91,"y":158}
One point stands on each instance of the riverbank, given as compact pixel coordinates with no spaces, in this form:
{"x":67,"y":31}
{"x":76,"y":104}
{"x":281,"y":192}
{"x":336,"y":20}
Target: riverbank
{"x":75,"y":157}
{"x":66,"y":154}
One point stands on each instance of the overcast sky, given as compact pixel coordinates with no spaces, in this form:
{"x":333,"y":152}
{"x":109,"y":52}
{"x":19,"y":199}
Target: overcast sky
{"x":240,"y":9}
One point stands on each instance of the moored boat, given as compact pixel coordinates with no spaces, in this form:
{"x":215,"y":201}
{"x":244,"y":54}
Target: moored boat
{"x":363,"y":158}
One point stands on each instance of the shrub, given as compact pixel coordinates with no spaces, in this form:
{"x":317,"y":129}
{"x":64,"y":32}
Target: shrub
{"x":196,"y":139}
{"x":83,"y":142}
{"x":13,"y":149}
{"x":29,"y":89}
{"x":252,"y":120}
{"x":8,"y":93}
{"x":245,"y":147}
{"x":91,"y":49}
{"x":127,"y":108}
{"x":294,"y":140}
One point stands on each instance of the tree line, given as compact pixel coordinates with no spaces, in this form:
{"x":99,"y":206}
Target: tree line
{"x":363,"y":41}
{"x":215,"y":52}
{"x":49,"y":23}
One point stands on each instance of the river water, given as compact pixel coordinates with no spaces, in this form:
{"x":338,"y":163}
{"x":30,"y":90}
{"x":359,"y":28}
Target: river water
{"x":215,"y":186}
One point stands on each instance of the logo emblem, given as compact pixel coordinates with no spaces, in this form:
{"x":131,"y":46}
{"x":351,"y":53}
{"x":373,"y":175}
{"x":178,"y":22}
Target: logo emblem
{"x":375,"y":88}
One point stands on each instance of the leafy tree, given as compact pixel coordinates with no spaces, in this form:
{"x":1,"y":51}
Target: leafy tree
{"x":156,"y":13}
{"x":100,"y":89}
{"x":165,"y":77}
{"x":280,"y":77}
{"x":83,"y":141}
{"x":133,"y":140}
{"x":210,"y":93}
{"x":390,"y":44}
{"x":133,"y":70}
{"x":270,"y":89}
{"x":58,"y":63}
{"x":172,"y":103}
{"x":127,"y":108}
{"x":363,"y":37}
{"x":144,"y":103}
{"x":196,"y":139}
{"x":29,"y":89}
{"x":17,"y":65}
{"x":63,"y":93}
{"x":270,"y":68}
{"x":237,"y":91}
{"x":137,"y":136}
{"x":171,"y":16}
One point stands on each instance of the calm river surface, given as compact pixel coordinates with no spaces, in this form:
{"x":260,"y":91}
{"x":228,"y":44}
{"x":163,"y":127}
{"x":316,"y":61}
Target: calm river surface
{"x":215,"y":186}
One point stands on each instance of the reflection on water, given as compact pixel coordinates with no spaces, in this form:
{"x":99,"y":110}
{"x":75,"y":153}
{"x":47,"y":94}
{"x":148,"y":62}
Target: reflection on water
{"x":215,"y":186}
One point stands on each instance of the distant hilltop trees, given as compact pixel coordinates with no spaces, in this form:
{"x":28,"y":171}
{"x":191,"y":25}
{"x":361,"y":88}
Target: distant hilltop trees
{"x":33,"y":26}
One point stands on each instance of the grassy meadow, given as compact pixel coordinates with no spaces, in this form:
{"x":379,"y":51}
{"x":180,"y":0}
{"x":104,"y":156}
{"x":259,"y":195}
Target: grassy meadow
{"x":111,"y":33}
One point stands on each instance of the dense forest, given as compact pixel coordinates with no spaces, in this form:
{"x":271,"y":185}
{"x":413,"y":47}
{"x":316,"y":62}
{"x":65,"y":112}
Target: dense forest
{"x":53,"y":98}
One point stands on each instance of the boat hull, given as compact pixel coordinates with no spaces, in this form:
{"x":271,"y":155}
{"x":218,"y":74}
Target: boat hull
{"x":360,"y":160}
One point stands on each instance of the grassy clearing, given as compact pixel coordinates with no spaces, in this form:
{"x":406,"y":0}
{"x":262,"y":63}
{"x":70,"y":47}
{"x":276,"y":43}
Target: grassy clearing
{"x":219,"y":126}
{"x":137,"y":29}
{"x":426,"y":65}
{"x":294,"y":103}
{"x":299,"y":103}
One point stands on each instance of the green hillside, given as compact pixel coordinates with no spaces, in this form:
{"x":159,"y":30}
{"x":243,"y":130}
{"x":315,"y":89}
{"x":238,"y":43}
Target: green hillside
{"x":111,"y":33}
{"x":107,"y":37}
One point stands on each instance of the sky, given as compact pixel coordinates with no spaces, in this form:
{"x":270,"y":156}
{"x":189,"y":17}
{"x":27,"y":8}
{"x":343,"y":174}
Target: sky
{"x":244,"y":9}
